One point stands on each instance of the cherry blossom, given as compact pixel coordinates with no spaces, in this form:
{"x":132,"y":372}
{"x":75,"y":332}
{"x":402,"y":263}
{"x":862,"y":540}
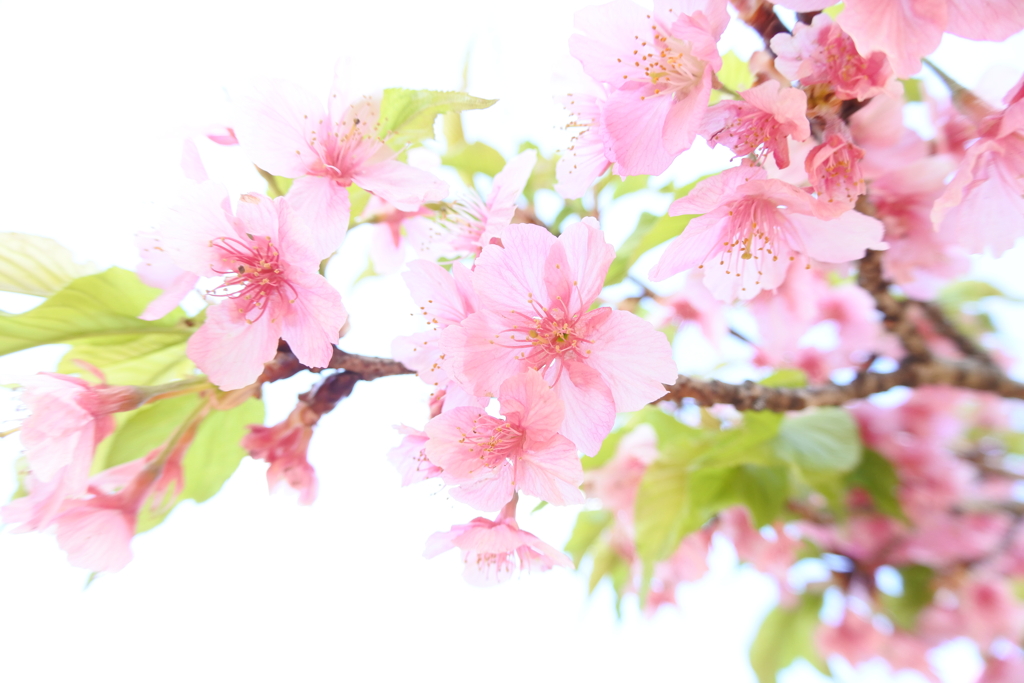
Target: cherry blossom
{"x":494,"y":550}
{"x":586,"y":157}
{"x":834,"y":171}
{"x":744,"y":242}
{"x":907,"y":31}
{"x":855,"y":638}
{"x":410,"y":457}
{"x":766,"y":117}
{"x":659,"y":66}
{"x":535,"y":296}
{"x":271,"y":288}
{"x":288,"y":132}
{"x":473,"y":222}
{"x":284,"y":448}
{"x":487,"y":459}
{"x":822,"y":54}
{"x":984,"y":203}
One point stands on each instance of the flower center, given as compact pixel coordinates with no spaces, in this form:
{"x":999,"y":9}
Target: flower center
{"x":492,"y":440}
{"x":253,"y":271}
{"x":753,"y":237}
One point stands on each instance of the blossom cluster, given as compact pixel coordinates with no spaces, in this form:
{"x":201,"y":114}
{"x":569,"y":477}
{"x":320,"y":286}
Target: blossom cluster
{"x":827,"y":251}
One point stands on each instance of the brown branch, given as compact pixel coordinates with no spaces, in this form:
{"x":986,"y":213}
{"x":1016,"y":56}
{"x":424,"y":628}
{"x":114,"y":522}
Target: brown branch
{"x":764,"y":20}
{"x":367,"y":367}
{"x":895,"y":319}
{"x":968,"y":374}
{"x":947,"y":328}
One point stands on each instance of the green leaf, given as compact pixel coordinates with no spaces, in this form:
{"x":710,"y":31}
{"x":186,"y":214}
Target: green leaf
{"x":30,"y":264}
{"x":358,"y":198}
{"x":474,"y":158}
{"x":407,"y":116}
{"x":834,"y":10}
{"x":957,"y":294}
{"x":589,"y":525}
{"x":138,"y":359}
{"x":608,"y":449}
{"x":105,"y":305}
{"x":825,"y":440}
{"x":277,"y":186}
{"x":650,"y":231}
{"x":608,"y":562}
{"x":212,"y":458}
{"x":543,"y":175}
{"x":787,"y":377}
{"x":918,"y":591}
{"x":877,"y":477}
{"x":913,"y":89}
{"x":146,"y":429}
{"x":734,"y":74}
{"x":663,"y":514}
{"x":749,"y":443}
{"x":785,"y":635}
{"x":633,"y":183}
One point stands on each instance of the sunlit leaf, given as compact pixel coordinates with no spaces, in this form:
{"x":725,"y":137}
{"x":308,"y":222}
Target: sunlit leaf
{"x":30,"y":264}
{"x":589,"y":525}
{"x":785,"y":636}
{"x":407,"y":116}
{"x":821,"y":440}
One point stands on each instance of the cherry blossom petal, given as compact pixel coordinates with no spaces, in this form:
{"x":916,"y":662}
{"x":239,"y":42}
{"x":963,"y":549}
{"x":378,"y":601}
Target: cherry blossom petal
{"x":312,"y":322}
{"x":274,"y":125}
{"x":401,"y":185}
{"x":840,"y":240}
{"x":229,"y":349}
{"x":589,"y":405}
{"x":552,"y":472}
{"x":323,"y":206}
{"x":994,"y":20}
{"x":635,"y":119}
{"x":634,"y":379}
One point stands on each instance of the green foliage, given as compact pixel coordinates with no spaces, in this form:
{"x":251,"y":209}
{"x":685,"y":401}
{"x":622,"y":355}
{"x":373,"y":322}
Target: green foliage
{"x":609,"y":563}
{"x":469,"y":159}
{"x":133,"y":359}
{"x":30,"y":264}
{"x":103,"y":306}
{"x":834,"y":10}
{"x":961,"y":292}
{"x":650,"y":231}
{"x":358,"y":198}
{"x":589,"y":525}
{"x":698,"y":473}
{"x":785,"y":636}
{"x":735,"y":74}
{"x":786,"y":377}
{"x":913,"y":89}
{"x":144,"y":430}
{"x":407,"y":116}
{"x":543,"y":178}
{"x":211,"y":459}
{"x":877,"y":477}
{"x":825,"y":440}
{"x":918,"y":592}
{"x":633,"y":183}
{"x":277,"y":186}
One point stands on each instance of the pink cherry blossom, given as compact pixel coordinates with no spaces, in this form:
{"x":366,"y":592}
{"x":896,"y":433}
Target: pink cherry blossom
{"x":586,"y":158}
{"x":908,"y":31}
{"x":493,"y":551}
{"x":822,"y":53}
{"x":271,"y":288}
{"x":855,"y":638}
{"x":688,"y":563}
{"x":1007,"y":670}
{"x":410,"y":457}
{"x":744,"y":242}
{"x":696,"y":305}
{"x":444,"y":298}
{"x":659,"y":66}
{"x":284,"y":447}
{"x":393,"y":232}
{"x":488,"y":458}
{"x":834,"y":171}
{"x":288,"y":132}
{"x":616,"y":483}
{"x":535,"y":312}
{"x":989,"y":610}
{"x":474,"y":223}
{"x":766,"y":117}
{"x":919,"y":258}
{"x":770,"y":556}
{"x":984,"y":203}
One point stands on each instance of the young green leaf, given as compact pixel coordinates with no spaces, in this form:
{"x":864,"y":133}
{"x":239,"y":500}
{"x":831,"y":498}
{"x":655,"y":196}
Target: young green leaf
{"x":785,"y":635}
{"x":30,"y":264}
{"x":825,"y":440}
{"x":407,"y":116}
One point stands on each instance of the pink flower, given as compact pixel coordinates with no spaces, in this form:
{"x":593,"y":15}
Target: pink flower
{"x":855,"y":639}
{"x":444,"y":298}
{"x":284,"y":447}
{"x":287,"y":131}
{"x":393,"y":231}
{"x":989,"y":610}
{"x":659,"y":65}
{"x":493,"y":551}
{"x":920,"y":259}
{"x":907,"y":31}
{"x":271,"y":289}
{"x":410,"y":457}
{"x":822,"y":53}
{"x":984,"y":203}
{"x":96,"y":531}
{"x":745,"y":241}
{"x":696,"y":305}
{"x":773,"y":557}
{"x":473,"y":223}
{"x":616,"y":483}
{"x":833,"y":169}
{"x":586,"y":159}
{"x":1009,"y":670}
{"x":535,"y":312}
{"x":765,"y":118}
{"x":488,"y":458}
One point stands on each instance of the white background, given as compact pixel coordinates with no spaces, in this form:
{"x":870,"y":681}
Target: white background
{"x":96,"y":98}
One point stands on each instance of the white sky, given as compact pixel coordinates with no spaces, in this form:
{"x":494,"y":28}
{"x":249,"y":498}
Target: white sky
{"x":97,"y":99}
